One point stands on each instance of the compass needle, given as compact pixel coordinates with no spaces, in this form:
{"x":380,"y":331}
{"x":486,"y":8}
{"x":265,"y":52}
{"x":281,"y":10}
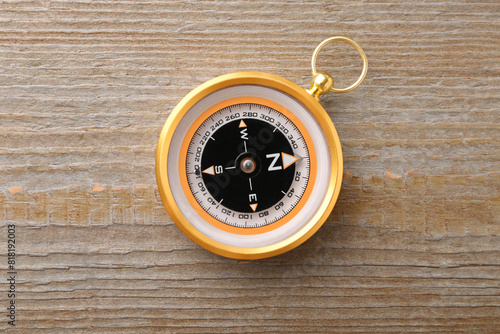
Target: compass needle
{"x":209,"y":170}
{"x":288,"y":159}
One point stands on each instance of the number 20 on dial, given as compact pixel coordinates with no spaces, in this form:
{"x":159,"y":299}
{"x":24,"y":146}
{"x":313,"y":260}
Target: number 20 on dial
{"x":249,"y":164}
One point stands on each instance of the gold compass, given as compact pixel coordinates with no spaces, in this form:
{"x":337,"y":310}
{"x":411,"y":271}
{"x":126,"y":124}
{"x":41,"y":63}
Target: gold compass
{"x":249,"y":164}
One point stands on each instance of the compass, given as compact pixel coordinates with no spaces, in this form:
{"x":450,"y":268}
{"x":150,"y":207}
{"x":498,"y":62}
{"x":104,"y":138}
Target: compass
{"x":249,"y":164}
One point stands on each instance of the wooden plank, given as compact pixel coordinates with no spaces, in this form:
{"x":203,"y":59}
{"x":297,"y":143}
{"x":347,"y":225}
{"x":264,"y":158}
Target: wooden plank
{"x":411,"y":246}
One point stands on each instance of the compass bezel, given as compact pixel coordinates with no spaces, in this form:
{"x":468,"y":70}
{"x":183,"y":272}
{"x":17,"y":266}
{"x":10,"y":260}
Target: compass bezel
{"x":280,"y":84}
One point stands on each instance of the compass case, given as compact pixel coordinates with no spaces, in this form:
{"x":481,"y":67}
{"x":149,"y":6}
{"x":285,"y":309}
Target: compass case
{"x":207,"y":228}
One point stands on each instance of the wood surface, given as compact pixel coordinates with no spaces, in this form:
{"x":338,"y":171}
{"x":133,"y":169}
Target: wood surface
{"x":411,"y":246}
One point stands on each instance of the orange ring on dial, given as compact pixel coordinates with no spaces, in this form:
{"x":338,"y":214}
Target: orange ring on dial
{"x":183,"y":172}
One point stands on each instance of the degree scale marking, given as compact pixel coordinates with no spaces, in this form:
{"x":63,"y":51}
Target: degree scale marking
{"x":272,"y":214}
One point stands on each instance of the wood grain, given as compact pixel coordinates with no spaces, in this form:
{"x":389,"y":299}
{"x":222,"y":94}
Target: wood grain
{"x":411,"y":246}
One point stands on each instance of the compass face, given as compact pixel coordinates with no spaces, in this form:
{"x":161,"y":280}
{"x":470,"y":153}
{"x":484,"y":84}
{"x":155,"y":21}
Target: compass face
{"x":248,"y":165}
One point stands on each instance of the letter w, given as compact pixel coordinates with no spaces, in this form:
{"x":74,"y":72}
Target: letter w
{"x":244,"y":134}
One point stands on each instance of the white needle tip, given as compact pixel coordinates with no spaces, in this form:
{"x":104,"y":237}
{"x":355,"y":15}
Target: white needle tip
{"x":209,"y":170}
{"x":288,"y":159}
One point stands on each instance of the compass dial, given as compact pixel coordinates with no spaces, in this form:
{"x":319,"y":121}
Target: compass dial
{"x":248,"y":165}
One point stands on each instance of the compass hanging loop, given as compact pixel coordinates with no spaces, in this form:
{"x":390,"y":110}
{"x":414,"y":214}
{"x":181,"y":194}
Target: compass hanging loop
{"x":322,"y":82}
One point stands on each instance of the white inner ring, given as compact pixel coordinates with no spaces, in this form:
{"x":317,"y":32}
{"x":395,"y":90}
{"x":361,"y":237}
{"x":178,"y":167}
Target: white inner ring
{"x":296,"y":223}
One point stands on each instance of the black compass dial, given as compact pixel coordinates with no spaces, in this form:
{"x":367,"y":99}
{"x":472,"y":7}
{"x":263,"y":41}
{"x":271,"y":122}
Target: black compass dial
{"x":247,"y":165}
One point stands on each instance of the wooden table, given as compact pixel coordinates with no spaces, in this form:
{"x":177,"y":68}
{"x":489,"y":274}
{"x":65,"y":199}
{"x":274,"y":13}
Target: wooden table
{"x":411,"y":246}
